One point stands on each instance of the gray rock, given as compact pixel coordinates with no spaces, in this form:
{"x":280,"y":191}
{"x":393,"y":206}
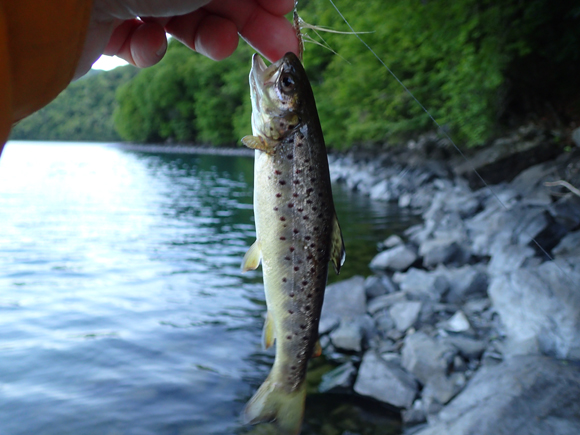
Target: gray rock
{"x":426,"y":357}
{"x":379,"y":285}
{"x":381,"y":191}
{"x":469,"y":348}
{"x":385,"y":301}
{"x":348,"y":336}
{"x":392,"y":241}
{"x":569,"y":246}
{"x":542,"y":304}
{"x":385,"y":381}
{"x":420,"y":284}
{"x":345,"y":299}
{"x":576,"y":137}
{"x":508,"y":258}
{"x":464,"y":282}
{"x":525,"y":395}
{"x":339,"y":379}
{"x":566,"y":211}
{"x":405,"y":314}
{"x":441,"y":251}
{"x":457,"y":323}
{"x":443,"y":388}
{"x":397,"y":258}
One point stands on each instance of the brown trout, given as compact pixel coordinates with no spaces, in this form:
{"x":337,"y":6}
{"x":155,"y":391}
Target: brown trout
{"x":297,"y":232}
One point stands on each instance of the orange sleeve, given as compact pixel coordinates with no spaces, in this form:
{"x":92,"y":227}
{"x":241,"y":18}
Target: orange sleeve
{"x":40,"y":45}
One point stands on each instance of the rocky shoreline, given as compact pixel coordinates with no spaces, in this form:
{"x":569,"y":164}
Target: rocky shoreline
{"x":470,"y":322}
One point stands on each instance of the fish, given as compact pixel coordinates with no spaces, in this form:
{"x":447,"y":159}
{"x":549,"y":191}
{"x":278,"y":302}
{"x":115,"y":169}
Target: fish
{"x":297,"y":232}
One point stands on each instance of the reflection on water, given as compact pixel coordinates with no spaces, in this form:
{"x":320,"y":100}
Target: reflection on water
{"x":122,"y":306}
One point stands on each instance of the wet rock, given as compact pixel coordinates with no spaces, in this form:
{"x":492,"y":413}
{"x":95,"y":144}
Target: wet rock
{"x":540,"y":304}
{"x":426,"y":357}
{"x":415,"y":415}
{"x":566,"y":211}
{"x":525,"y":395}
{"x":379,"y":285}
{"x":392,"y":241}
{"x":539,"y":228}
{"x":339,"y":379}
{"x":421,"y":285}
{"x":385,"y":381}
{"x":405,"y":314}
{"x":343,"y":300}
{"x":397,"y":258}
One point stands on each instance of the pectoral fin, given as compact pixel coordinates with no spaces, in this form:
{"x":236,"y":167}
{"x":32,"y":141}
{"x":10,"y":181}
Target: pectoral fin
{"x":252,"y":258}
{"x":337,"y":252}
{"x":268,"y":334}
{"x":259,"y":143}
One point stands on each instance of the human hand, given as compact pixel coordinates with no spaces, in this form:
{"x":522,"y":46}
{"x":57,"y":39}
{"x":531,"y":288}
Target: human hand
{"x":135,"y":30}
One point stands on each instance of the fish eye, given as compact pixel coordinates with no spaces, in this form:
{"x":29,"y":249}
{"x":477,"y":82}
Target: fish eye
{"x":287,"y":83}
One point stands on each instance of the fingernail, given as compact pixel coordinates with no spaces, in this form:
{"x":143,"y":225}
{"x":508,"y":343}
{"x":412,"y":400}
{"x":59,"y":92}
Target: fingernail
{"x":162,"y":49}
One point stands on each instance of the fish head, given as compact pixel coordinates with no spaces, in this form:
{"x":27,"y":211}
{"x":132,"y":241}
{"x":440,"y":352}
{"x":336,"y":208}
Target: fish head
{"x":276,"y":92}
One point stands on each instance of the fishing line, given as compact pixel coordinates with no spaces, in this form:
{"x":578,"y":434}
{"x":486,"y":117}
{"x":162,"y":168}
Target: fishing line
{"x":442,"y":130}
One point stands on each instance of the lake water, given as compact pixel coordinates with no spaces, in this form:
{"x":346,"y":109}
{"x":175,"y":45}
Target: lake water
{"x":122,"y":307}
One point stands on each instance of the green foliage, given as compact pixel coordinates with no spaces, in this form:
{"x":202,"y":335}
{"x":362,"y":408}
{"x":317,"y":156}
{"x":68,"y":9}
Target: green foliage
{"x":186,"y":98}
{"x":82,"y":112}
{"x":472,"y":63}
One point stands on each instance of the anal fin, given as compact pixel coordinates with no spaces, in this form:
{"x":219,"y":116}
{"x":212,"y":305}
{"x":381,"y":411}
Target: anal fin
{"x":268,"y":333}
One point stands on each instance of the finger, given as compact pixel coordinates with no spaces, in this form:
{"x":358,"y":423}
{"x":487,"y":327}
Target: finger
{"x":271,"y":35}
{"x":216,"y":37}
{"x":141,"y":44}
{"x":278,"y":7}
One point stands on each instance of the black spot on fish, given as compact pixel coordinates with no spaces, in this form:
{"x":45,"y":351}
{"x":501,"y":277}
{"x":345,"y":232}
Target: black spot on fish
{"x":313,"y":179}
{"x":289,"y":337}
{"x":287,"y":258}
{"x":296,"y":181}
{"x":302,"y":326}
{"x":295,"y":231}
{"x":307,"y":238}
{"x":282,"y":238}
{"x":293,"y":368}
{"x":316,"y":228}
{"x":305,"y":338}
{"x":290,"y":204}
{"x":300,"y":209}
{"x":298,"y":171}
{"x":282,"y":218}
{"x":291,"y":295}
{"x":290,"y":312}
{"x":278,"y":195}
{"x":290,"y":156}
{"x":305,"y":217}
{"x":275,"y":208}
{"x":304,"y":282}
{"x":320,"y":215}
{"x":310,"y":257}
{"x":284,"y":279}
{"x":307,"y":307}
{"x":308,"y":201}
{"x":314,"y":208}
{"x":296,"y":268}
{"x":277,"y":172}
{"x":295,"y":195}
{"x":292,"y":249}
{"x":313,"y":245}
{"x":309,"y":190}
{"x":309,"y":295}
{"x":282,"y":182}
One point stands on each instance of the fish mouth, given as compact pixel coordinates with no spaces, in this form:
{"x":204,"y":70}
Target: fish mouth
{"x":262,"y":76}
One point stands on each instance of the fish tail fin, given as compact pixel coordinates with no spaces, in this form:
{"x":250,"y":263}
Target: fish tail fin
{"x":272,"y":403}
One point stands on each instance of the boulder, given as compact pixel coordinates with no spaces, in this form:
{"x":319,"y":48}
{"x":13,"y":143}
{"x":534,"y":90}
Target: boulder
{"x":405,"y":314}
{"x":463,"y":282}
{"x":469,"y":348}
{"x":442,"y":251}
{"x":339,"y":379}
{"x":569,"y":246}
{"x":425,"y":357}
{"x":398,"y":258}
{"x":421,"y":284}
{"x":566,"y":211}
{"x":524,"y":395}
{"x":379,"y":285}
{"x":385,"y":381}
{"x":541,"y":305}
{"x":385,"y":301}
{"x":345,"y":299}
{"x":508,"y":258}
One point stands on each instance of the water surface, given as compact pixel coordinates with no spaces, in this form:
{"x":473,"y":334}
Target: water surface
{"x":122,"y":305}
